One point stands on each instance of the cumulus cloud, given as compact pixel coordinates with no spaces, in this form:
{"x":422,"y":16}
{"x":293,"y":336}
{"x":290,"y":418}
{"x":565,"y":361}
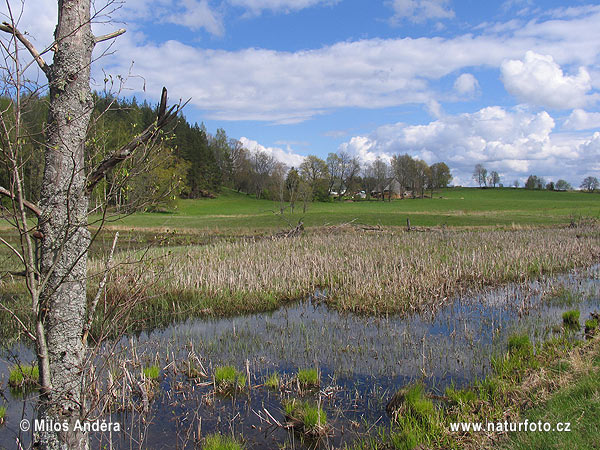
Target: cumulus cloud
{"x":466,"y":84}
{"x":582,"y":120}
{"x":287,"y":156}
{"x":420,"y":10}
{"x":539,"y":80}
{"x":513,"y":142}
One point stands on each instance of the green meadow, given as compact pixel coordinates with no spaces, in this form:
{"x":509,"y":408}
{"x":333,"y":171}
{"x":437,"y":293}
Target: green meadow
{"x":235,"y":212}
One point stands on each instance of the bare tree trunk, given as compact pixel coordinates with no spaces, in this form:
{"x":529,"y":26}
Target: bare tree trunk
{"x":64,"y":205}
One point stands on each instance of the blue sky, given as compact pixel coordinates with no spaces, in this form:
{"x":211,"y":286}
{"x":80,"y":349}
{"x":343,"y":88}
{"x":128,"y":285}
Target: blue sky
{"x":513,"y":85}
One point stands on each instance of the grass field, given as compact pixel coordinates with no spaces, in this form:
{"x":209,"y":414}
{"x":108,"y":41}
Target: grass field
{"x":232,"y":211}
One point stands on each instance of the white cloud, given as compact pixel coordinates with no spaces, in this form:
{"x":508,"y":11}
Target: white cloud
{"x":36,"y":18}
{"x":287,"y":156}
{"x":420,"y":10}
{"x":466,"y":84}
{"x":582,"y":120}
{"x":540,"y":81}
{"x":513,"y":142}
{"x":256,"y":7}
{"x":288,"y":87}
{"x":196,"y":14}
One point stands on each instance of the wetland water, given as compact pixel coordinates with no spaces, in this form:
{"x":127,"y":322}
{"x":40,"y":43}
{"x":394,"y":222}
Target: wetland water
{"x":362,"y":360}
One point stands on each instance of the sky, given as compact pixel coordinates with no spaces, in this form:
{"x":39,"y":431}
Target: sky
{"x":512,"y":85}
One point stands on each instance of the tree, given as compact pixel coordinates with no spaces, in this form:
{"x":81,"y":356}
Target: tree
{"x":315,"y":174}
{"x":292,"y":181}
{"x":562,"y":185}
{"x":381,"y":173}
{"x":422,"y":175}
{"x":57,"y":281}
{"x":480,"y":175}
{"x":494,"y":178}
{"x":590,"y":184}
{"x":550,"y":186}
{"x":263,"y":165}
{"x":404,"y":170}
{"x":534,"y":182}
{"x":440,"y":175}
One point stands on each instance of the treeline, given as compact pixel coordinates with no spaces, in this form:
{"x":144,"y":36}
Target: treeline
{"x":188,"y":162}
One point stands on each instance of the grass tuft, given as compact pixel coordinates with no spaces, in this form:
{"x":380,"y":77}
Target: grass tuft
{"x":228,"y":379}
{"x":308,"y":378}
{"x":151,"y":372}
{"x":273,"y":381}
{"x":24,"y":376}
{"x":571,"y":318}
{"x":220,"y":442}
{"x":306,"y":417}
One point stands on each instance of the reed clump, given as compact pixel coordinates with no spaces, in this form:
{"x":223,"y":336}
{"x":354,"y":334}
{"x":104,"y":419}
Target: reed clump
{"x":393,"y":272}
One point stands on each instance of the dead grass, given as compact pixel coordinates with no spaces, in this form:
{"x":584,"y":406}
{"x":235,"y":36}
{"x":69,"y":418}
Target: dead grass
{"x":360,"y":271}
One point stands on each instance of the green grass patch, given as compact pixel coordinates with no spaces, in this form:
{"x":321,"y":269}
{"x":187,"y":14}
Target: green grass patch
{"x":2,"y":414}
{"x":517,"y":360}
{"x":220,"y":442}
{"x":302,"y":415}
{"x":228,"y":379}
{"x":308,"y":378}
{"x":232,"y":212}
{"x":151,"y":372}
{"x":571,"y":318}
{"x":273,"y":381}
{"x":578,"y":404}
{"x":24,"y":376}
{"x":591,"y":326}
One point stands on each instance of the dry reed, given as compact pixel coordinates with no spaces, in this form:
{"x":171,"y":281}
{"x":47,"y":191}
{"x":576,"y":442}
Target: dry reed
{"x":358,"y":271}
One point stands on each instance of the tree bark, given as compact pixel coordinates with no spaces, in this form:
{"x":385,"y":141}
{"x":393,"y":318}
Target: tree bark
{"x":63,"y":222}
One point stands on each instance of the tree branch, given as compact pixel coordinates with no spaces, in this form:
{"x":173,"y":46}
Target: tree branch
{"x":108,"y":36}
{"x":30,"y":206}
{"x":163,"y":118}
{"x":8,"y":28}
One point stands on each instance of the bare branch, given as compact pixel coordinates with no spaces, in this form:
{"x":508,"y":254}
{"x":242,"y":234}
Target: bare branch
{"x":14,"y":250}
{"x":23,"y":326}
{"x":30,"y":206}
{"x":8,"y":28}
{"x":163,"y":118}
{"x":108,"y":36}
